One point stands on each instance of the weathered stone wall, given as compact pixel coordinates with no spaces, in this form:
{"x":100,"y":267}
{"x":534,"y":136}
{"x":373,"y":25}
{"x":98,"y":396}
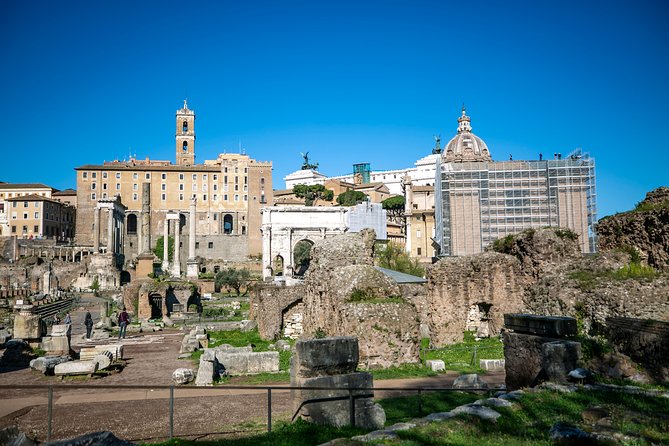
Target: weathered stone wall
{"x":645,"y":341}
{"x":457,"y":283}
{"x":645,"y":229}
{"x":585,"y":290}
{"x":267,"y":305}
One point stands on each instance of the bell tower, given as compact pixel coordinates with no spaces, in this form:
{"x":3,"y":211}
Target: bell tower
{"x":185,"y":136}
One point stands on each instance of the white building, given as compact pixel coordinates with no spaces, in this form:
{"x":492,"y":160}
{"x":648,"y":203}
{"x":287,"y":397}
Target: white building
{"x":283,"y":227}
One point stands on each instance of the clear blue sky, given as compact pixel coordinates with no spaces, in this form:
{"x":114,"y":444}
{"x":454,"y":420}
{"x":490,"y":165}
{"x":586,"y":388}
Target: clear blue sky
{"x":348,"y":81}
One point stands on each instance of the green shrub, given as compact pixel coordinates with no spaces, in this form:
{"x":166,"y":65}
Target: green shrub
{"x":635,"y":271}
{"x":503,"y":245}
{"x":566,"y":233}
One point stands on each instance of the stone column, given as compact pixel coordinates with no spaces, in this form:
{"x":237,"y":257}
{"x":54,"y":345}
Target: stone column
{"x":110,"y":231}
{"x":96,"y":230}
{"x":146,"y":218}
{"x":192,"y":265}
{"x":176,"y":267}
{"x":166,"y":237}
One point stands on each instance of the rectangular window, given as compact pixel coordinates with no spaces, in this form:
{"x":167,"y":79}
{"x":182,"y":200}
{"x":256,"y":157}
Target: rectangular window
{"x":118,"y":174}
{"x":181,"y":176}
{"x":35,"y":228}
{"x":418,"y":233}
{"x":93,"y":185}
{"x":14,"y":229}
{"x":246,"y":188}
{"x":147,"y":176}
{"x":104,"y":174}
{"x":210,"y":245}
{"x":204,"y":188}
{"x":215,"y":177}
{"x":418,"y":251}
{"x":215,"y":186}
{"x":236,"y":187}
{"x":194,"y":177}
{"x":246,"y":180}
{"x":236,"y":180}
{"x":197,"y":245}
{"x":25,"y":229}
{"x":14,"y":204}
{"x":36,"y":214}
{"x":104,"y":186}
{"x":236,"y":197}
{"x":104,"y":195}
{"x":225,"y":179}
{"x":163,"y":186}
{"x":93,"y":196}
{"x":163,"y":197}
{"x":25,"y":204}
{"x":134,"y":186}
{"x":94,"y":174}
{"x":181,"y":197}
{"x":134,"y":197}
{"x":163,"y":176}
{"x":246,"y":170}
{"x":225,"y":197}
{"x":194,"y":187}
{"x":246,"y":198}
{"x":215,"y":198}
{"x":181,"y":187}
{"x":215,"y":217}
{"x":118,"y":186}
{"x":25,"y":216}
{"x":204,"y":197}
{"x":225,"y":169}
{"x":134,"y":176}
{"x":84,"y":175}
{"x":204,"y":177}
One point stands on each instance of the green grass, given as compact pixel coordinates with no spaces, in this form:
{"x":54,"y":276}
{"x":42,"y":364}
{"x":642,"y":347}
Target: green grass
{"x":403,"y":371}
{"x":588,"y":280}
{"x":459,"y":356}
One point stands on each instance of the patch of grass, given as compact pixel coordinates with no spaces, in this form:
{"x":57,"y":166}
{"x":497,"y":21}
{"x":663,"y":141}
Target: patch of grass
{"x":635,"y":271}
{"x":565,"y":233}
{"x":460,"y":356}
{"x":402,"y":371}
{"x":644,"y":206}
{"x":503,"y":245}
{"x":586,"y":280}
{"x":283,"y":434}
{"x":405,"y":408}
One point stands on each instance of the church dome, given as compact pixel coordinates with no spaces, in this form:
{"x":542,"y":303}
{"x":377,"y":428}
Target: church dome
{"x":465,"y":146}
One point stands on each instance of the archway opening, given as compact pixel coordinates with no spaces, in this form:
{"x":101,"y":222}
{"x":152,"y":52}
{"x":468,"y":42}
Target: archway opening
{"x":156,"y":302}
{"x":278,"y":265}
{"x":227,"y":224}
{"x":131,"y":224}
{"x":302,"y":256}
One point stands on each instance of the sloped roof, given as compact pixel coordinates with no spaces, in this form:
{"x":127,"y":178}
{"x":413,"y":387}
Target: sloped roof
{"x":399,"y":277}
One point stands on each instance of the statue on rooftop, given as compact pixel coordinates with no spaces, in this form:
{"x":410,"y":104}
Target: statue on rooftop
{"x":306,"y":165}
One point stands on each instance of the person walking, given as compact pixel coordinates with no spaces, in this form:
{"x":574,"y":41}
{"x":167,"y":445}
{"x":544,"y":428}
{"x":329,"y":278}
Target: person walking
{"x":68,"y":319}
{"x":88,"y":322}
{"x":123,"y":320}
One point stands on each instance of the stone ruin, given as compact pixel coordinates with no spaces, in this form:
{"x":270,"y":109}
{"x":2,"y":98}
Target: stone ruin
{"x":344,"y":294}
{"x":228,"y":360}
{"x":538,"y":349}
{"x":332,"y":362}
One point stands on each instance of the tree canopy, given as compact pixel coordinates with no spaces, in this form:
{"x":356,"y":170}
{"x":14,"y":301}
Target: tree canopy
{"x":396,"y":258}
{"x":160,"y":246}
{"x":312,"y":193}
{"x":236,"y":279}
{"x":351,"y":198}
{"x":394,"y":207}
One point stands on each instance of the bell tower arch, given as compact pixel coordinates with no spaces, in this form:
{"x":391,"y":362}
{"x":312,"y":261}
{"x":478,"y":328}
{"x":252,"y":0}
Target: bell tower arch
{"x":185,"y":136}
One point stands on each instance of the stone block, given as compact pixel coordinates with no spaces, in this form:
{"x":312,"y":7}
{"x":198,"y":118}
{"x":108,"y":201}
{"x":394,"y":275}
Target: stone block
{"x":522,"y":359}
{"x":183,"y":376}
{"x":469,"y":381}
{"x":231,"y":349}
{"x":558,"y":358}
{"x":205,"y":373}
{"x":436,"y":365}
{"x":244,"y":363}
{"x":491,"y":365}
{"x":76,"y":368}
{"x":88,"y":353}
{"x":46,"y":364}
{"x":56,"y":345}
{"x":332,"y":407}
{"x":61,"y":330}
{"x":327,"y":356}
{"x":551,"y":326}
{"x":27,"y":326}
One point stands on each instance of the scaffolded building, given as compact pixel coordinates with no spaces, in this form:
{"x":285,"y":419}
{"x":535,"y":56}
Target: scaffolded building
{"x":479,"y":200}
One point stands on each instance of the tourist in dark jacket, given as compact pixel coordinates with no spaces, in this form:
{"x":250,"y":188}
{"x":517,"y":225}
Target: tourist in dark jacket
{"x":123,"y":320}
{"x":88,"y":322}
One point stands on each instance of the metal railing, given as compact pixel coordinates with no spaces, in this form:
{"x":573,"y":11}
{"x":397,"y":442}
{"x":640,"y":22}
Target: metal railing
{"x":351,"y":394}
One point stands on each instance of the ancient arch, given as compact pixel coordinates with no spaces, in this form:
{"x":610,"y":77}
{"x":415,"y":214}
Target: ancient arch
{"x":302,"y":256}
{"x":227,"y":224}
{"x":131,"y":224}
{"x":278,"y":265}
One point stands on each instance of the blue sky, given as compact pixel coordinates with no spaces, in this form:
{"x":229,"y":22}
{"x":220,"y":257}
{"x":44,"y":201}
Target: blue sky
{"x":348,"y":81}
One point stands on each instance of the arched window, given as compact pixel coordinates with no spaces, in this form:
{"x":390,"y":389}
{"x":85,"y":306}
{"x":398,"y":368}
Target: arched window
{"x":131,"y":224}
{"x":227,"y":224}
{"x":185,"y":146}
{"x":185,"y":127}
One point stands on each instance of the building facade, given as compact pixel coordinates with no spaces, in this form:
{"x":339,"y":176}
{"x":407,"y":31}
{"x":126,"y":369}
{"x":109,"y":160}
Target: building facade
{"x":34,"y":210}
{"x":229,"y":192}
{"x":479,"y":200}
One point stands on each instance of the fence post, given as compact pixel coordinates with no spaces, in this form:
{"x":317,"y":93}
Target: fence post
{"x":269,"y":410}
{"x":171,"y":411}
{"x":49,"y":414}
{"x":351,"y":404}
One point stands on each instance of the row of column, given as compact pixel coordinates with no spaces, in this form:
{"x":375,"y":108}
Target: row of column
{"x":176,"y":260}
{"x":114,"y":231}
